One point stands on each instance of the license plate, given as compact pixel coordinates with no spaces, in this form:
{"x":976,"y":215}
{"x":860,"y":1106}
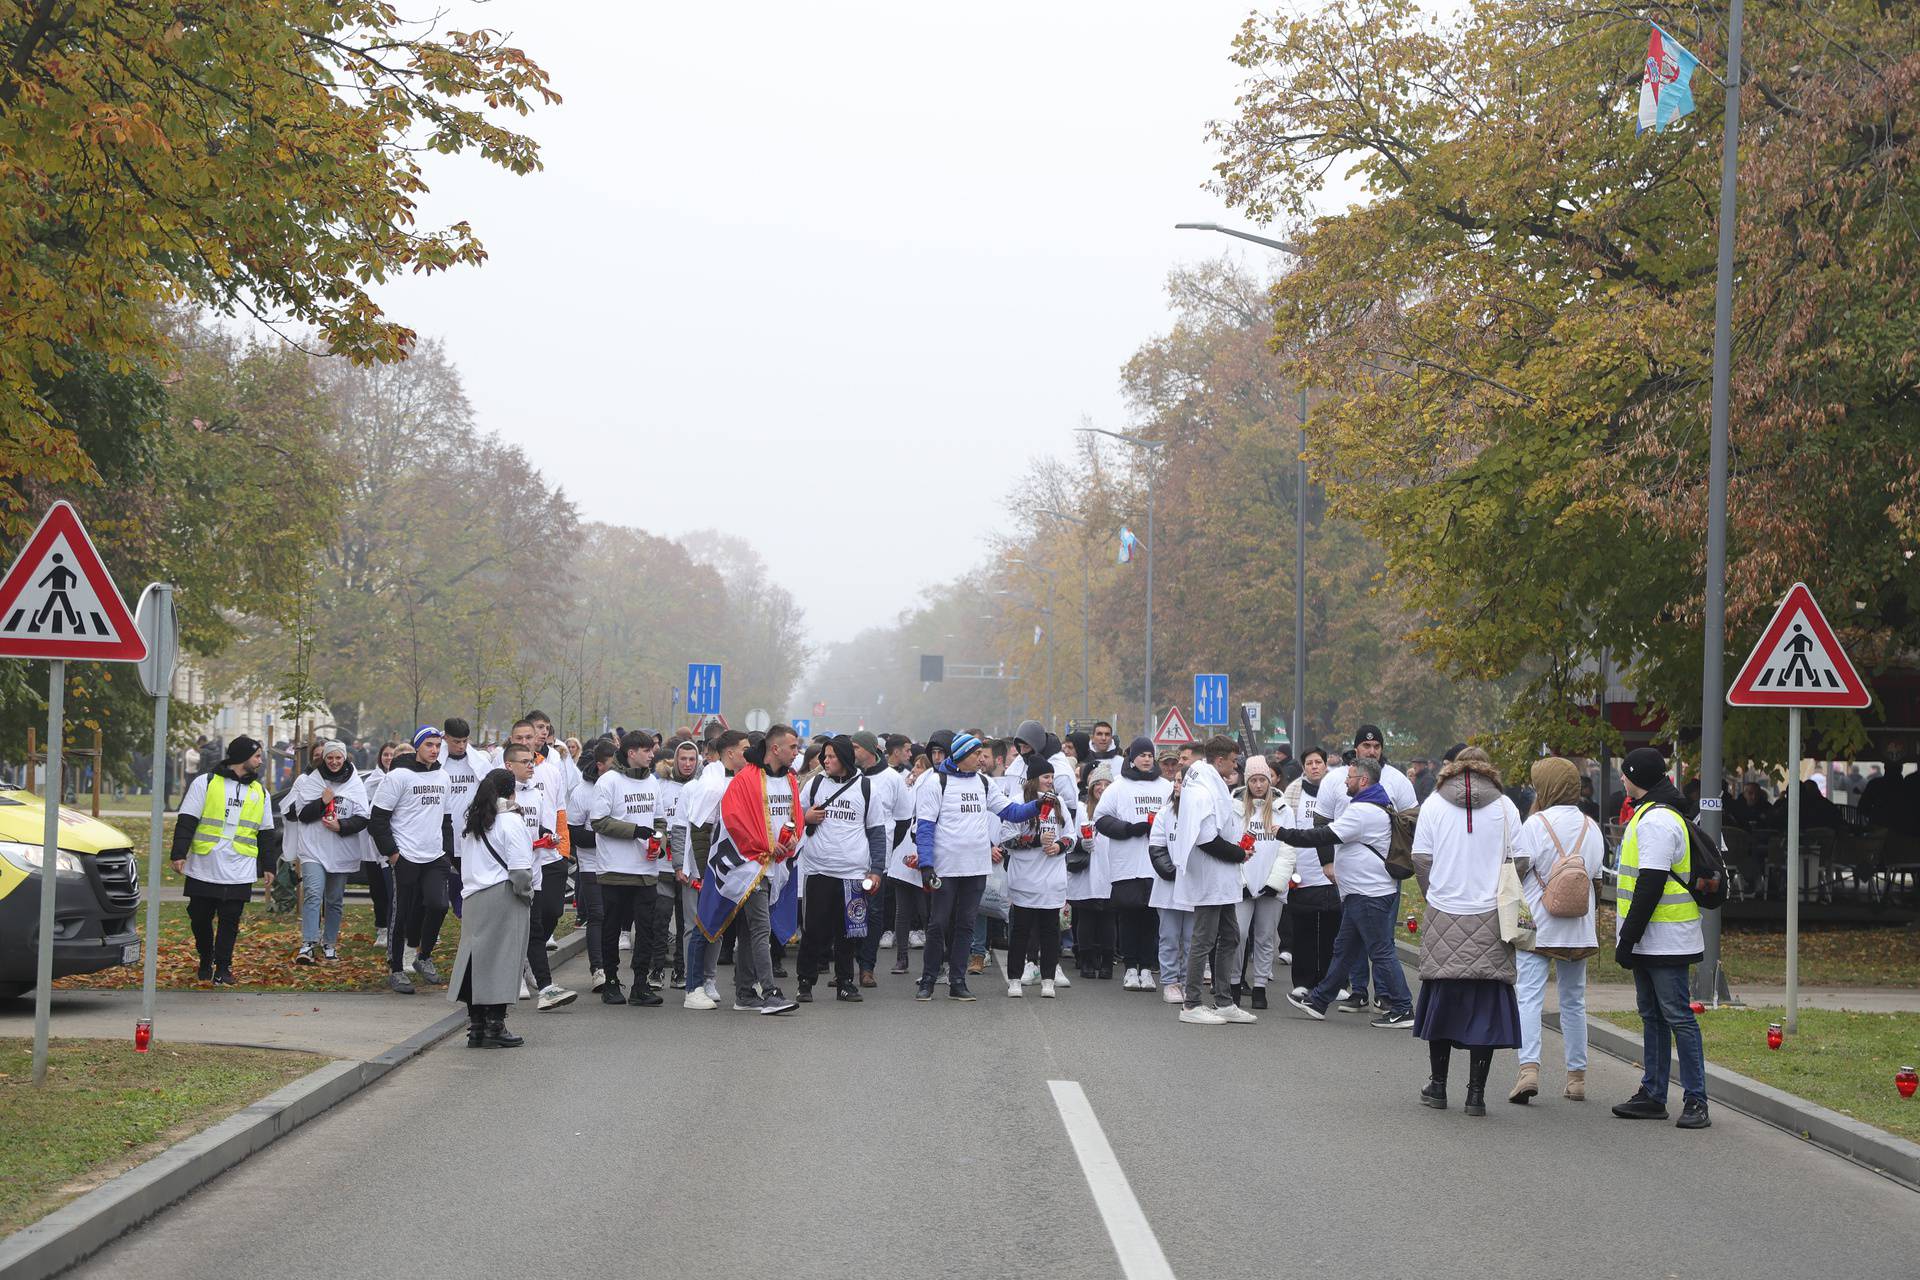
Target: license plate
{"x":130,"y":954}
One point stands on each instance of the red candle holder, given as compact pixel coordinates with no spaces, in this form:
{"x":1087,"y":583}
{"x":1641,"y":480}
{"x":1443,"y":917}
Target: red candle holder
{"x":1906,"y":1080}
{"x":1774,"y":1035}
{"x":1413,"y":924}
{"x":143,"y":1038}
{"x":1697,"y":1007}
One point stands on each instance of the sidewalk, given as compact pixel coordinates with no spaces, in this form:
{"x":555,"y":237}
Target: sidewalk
{"x":1614,"y":997}
{"x":352,"y":1025}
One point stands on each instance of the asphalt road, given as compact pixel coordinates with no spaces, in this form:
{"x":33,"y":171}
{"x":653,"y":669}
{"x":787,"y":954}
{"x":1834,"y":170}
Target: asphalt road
{"x":897,"y":1139}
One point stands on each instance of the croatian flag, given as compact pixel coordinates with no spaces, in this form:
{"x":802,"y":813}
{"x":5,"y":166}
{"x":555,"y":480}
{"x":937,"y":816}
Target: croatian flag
{"x":1666,"y":93}
{"x":1127,"y":543}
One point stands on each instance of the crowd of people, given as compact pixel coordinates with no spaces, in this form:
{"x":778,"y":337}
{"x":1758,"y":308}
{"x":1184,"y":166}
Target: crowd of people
{"x":1202,"y":874}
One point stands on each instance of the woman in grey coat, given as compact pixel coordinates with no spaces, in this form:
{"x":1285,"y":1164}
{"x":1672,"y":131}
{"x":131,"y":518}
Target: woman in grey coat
{"x":1465,"y":834}
{"x":496,"y":855}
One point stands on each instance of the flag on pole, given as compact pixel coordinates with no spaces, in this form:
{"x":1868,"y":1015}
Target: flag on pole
{"x":1127,"y":543}
{"x":1666,"y":92}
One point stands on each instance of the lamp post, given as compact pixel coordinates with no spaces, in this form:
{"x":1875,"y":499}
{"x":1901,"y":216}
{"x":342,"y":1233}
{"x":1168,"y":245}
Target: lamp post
{"x":1086,"y":594}
{"x":1153,"y":448}
{"x":1299,"y":504}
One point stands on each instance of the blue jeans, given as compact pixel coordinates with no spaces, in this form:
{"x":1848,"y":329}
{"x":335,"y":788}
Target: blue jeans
{"x":1366,"y":929}
{"x":701,"y":954}
{"x":1666,"y":1020}
{"x":1357,"y":980}
{"x":1176,"y":937}
{"x":322,"y":893}
{"x":955,"y":910}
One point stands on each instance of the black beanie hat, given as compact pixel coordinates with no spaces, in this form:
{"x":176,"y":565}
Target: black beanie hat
{"x":240,"y":750}
{"x":1142,"y":745}
{"x":1368,"y":733}
{"x":1644,"y":767}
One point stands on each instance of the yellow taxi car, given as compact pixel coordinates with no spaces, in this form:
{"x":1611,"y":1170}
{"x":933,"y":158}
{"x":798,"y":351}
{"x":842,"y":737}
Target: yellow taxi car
{"x":97,"y":888}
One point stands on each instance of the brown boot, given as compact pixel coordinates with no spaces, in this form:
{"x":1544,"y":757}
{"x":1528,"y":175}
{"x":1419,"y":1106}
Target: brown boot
{"x":1576,"y":1090}
{"x":1528,"y":1085}
{"x":978,"y":964}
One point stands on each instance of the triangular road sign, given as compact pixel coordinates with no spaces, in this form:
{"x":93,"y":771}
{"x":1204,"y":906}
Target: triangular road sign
{"x":58,"y":601}
{"x":1173,"y":729}
{"x":1798,"y":662}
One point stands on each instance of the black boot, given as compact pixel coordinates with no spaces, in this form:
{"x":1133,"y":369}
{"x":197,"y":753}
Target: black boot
{"x":612,"y":992}
{"x":1105,"y":969}
{"x":1479,"y":1063}
{"x":1435,"y":1094}
{"x":1259,"y":997}
{"x":206,"y":969}
{"x":476,"y":1026}
{"x":498,"y":1037}
{"x":643,"y":996}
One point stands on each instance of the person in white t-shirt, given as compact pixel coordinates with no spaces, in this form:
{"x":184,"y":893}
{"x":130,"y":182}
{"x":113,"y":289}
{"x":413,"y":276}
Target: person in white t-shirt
{"x":1555,"y":834}
{"x":1328,"y":804}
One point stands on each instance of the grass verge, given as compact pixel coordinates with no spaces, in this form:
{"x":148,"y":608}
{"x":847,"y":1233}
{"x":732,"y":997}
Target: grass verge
{"x":1881,"y":957}
{"x":1844,"y":1061}
{"x":105,"y":1109}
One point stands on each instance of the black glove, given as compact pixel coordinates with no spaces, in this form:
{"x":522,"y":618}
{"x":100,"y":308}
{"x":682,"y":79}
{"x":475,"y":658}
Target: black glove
{"x":1268,"y":891}
{"x":1623,"y":953}
{"x":1139,"y":829}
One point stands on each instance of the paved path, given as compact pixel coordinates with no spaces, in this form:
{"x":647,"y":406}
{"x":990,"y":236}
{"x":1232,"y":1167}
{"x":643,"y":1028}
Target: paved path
{"x":900,"y":1139}
{"x":1619,"y":996}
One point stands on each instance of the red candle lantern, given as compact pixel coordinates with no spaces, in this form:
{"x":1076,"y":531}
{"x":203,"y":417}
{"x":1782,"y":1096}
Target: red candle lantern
{"x":1774,"y":1036}
{"x":1086,"y":831}
{"x":1413,"y":924}
{"x":143,"y":1038}
{"x":1697,"y":1007}
{"x":1906,"y":1080}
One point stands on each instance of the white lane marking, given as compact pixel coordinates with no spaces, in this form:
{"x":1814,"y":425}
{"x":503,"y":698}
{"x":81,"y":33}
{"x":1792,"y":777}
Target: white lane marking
{"x":1133,"y":1240}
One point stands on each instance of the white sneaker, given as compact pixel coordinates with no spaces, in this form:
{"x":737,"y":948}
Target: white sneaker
{"x":380,"y":938}
{"x":599,"y":980}
{"x":1060,"y":978}
{"x":886,"y":940}
{"x":626,"y":939}
{"x":1173,"y":994}
{"x":712,"y":990}
{"x":699,"y":999}
{"x":1046,"y":990}
{"x":555,"y":997}
{"x":1234,"y":1013}
{"x":1030,"y":975}
{"x":1147,"y":981}
{"x":1345,"y":994}
{"x":407,"y":956}
{"x":553,"y":944}
{"x":1300,"y":993}
{"x":916,"y":938}
{"x":1131,"y":982}
{"x":524,"y":992}
{"x":1286,"y":957}
{"x":1200,"y":1015}
{"x":1013,"y":990}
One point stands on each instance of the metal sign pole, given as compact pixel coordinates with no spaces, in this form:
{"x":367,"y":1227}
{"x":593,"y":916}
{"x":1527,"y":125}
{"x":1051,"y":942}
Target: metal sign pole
{"x":1793,"y":870}
{"x":49,"y":865}
{"x":163,"y":647}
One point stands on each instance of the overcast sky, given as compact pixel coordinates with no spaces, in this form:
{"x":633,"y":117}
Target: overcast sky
{"x":821,"y":273}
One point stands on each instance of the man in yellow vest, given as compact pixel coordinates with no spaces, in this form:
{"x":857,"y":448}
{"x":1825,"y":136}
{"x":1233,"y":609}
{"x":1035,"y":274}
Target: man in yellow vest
{"x":1659,"y":938}
{"x":223,"y":842}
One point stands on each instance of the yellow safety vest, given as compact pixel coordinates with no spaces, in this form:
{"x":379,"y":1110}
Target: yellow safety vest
{"x":1676,"y":904}
{"x":246,"y":834}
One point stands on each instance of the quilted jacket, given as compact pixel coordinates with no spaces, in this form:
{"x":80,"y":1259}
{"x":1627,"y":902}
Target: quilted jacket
{"x":1464,"y":947}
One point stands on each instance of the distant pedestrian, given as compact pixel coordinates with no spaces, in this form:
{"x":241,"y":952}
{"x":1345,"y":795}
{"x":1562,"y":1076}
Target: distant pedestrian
{"x":496,"y":884}
{"x":332,"y":808}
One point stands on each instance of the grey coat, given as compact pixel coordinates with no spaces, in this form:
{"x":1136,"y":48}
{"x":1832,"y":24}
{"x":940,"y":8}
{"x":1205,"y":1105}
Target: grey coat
{"x":1464,"y":947}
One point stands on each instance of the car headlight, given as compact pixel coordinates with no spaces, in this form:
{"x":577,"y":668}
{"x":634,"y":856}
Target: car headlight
{"x":30,"y":857}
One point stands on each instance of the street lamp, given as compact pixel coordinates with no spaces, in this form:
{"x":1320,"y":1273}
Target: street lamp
{"x":1153,"y":448}
{"x":1086,"y":592}
{"x":1299,"y":504}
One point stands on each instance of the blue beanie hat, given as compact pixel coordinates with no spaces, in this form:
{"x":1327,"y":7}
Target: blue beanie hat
{"x":963,"y":744}
{"x":424,"y":732}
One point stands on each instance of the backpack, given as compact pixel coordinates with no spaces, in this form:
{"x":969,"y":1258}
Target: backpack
{"x":1399,"y":854}
{"x":1564,"y":888}
{"x":1706,"y":867}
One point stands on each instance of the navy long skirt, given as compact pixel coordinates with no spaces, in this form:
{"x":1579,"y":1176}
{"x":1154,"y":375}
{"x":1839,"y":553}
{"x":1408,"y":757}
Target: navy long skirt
{"x":1473,"y":1012}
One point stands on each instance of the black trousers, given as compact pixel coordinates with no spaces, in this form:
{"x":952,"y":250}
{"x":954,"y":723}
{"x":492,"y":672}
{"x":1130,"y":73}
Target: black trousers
{"x":215,"y":945}
{"x":662,"y":908}
{"x":1139,"y":936}
{"x":628,"y":902}
{"x":419,"y":907}
{"x":1093,"y":934}
{"x":549,"y":904}
{"x":1028,"y":928}
{"x":380,"y":889}
{"x":824,"y":930}
{"x":1316,"y":922}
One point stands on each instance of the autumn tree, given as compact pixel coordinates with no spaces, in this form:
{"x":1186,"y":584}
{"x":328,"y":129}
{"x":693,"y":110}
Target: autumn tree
{"x":1515,"y":326}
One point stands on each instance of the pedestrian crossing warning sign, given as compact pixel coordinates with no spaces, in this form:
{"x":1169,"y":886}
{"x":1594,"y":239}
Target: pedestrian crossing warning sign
{"x":1174,"y":730}
{"x":1798,"y":662}
{"x":58,"y":601}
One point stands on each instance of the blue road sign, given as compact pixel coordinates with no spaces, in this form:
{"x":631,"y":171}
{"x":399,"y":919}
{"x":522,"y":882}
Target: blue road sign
{"x":1210,"y":700}
{"x":703,"y":688}
{"x":804,"y":728}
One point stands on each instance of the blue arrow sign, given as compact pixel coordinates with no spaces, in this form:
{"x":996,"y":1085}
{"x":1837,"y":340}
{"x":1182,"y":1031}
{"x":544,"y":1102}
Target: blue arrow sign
{"x":703,"y":688}
{"x":1210,"y":699}
{"x":804,"y":728}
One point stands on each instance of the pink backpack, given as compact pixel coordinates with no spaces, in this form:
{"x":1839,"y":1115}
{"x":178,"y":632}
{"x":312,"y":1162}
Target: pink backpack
{"x":1564,"y":889}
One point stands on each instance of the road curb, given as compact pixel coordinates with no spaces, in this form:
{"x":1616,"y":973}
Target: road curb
{"x":73,"y":1232}
{"x":1855,"y":1140}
